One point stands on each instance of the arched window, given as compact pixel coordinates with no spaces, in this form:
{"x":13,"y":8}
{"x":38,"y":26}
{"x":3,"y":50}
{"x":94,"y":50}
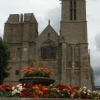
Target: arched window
{"x":48,"y":50}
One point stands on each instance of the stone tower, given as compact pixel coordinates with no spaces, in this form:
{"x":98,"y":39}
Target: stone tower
{"x":20,"y":33}
{"x":76,"y":68}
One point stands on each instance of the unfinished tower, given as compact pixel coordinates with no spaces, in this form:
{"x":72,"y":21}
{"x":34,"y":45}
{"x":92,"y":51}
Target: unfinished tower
{"x":20,"y":33}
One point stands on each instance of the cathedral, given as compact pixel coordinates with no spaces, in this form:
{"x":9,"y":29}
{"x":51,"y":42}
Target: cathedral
{"x":66,"y":53}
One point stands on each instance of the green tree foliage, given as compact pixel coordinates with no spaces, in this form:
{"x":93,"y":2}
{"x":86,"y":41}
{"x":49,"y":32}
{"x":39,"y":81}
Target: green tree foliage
{"x":4,"y":57}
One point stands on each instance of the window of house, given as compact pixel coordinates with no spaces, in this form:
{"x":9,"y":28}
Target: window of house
{"x":48,"y":50}
{"x":19,"y":52}
{"x":48,"y":35}
{"x":74,"y":9}
{"x":17,"y":72}
{"x":77,"y":64}
{"x":71,"y":10}
{"x":69,"y":64}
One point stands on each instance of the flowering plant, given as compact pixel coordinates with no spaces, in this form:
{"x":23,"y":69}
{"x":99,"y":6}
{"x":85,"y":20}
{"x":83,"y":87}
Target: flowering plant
{"x":5,"y":90}
{"x":86,"y":93}
{"x":16,"y":90}
{"x":60,"y":91}
{"x":40,"y":91}
{"x":37,"y":72}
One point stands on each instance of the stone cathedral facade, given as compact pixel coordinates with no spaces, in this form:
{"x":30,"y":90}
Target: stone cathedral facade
{"x":66,"y":53}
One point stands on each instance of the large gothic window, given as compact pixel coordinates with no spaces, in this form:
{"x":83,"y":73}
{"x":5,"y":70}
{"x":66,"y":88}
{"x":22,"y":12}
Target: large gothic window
{"x":48,"y":50}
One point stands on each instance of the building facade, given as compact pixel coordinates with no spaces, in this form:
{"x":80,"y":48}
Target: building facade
{"x":66,"y":53}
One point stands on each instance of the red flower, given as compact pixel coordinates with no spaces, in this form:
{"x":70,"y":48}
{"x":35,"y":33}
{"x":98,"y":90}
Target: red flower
{"x":46,"y":72}
{"x":26,"y":94}
{"x":2,"y":88}
{"x":35,"y":96}
{"x":57,"y":96}
{"x":8,"y":88}
{"x":68,"y":87}
{"x":47,"y":95}
{"x":61,"y":87}
{"x":72,"y":95}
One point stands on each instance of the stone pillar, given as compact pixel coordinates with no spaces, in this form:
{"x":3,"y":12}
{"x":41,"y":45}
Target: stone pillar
{"x":73,"y":57}
{"x":63,"y":73}
{"x":7,"y":32}
{"x":86,"y":69}
{"x":25,"y":45}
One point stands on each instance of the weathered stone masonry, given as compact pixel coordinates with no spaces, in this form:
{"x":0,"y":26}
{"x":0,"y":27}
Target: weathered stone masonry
{"x":67,"y":53}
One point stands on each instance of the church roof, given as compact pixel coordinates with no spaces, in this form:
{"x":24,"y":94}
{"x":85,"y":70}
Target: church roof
{"x":49,"y":29}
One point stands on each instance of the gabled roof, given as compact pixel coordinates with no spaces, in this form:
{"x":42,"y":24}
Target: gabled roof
{"x":49,"y":29}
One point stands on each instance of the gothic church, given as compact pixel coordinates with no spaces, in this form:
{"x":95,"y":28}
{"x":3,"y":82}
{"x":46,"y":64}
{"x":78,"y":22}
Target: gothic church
{"x":66,"y":53}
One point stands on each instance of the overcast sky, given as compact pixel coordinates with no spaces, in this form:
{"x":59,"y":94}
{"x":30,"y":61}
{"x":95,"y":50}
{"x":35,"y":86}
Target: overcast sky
{"x":51,"y":9}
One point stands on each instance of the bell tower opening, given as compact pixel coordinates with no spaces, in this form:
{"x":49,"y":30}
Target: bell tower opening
{"x":72,"y":9}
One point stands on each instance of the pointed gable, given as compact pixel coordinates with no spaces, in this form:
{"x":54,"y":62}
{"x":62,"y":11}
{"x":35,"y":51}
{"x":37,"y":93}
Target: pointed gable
{"x":47,"y":34}
{"x":49,"y":29}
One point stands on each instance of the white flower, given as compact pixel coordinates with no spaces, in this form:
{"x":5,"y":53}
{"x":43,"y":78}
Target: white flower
{"x":20,"y":88}
{"x":88,"y":91}
{"x":88,"y":94}
{"x":94,"y":91}
{"x":13,"y":88}
{"x":84,"y":87}
{"x":16,"y":91}
{"x":84,"y":92}
{"x":51,"y":85}
{"x":13,"y":93}
{"x":19,"y":92}
{"x":19,"y":85}
{"x":58,"y":91}
{"x":80,"y":89}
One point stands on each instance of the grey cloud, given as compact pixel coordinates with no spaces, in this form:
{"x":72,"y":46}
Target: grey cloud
{"x":97,"y":80}
{"x":95,"y":59}
{"x":97,"y":40}
{"x":97,"y":75}
{"x":55,"y":16}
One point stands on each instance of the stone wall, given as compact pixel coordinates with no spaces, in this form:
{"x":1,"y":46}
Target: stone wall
{"x":48,"y":34}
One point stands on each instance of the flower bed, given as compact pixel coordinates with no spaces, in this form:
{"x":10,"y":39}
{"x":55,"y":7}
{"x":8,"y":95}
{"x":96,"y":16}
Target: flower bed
{"x":27,"y":90}
{"x":37,"y":75}
{"x":39,"y":91}
{"x":37,"y":72}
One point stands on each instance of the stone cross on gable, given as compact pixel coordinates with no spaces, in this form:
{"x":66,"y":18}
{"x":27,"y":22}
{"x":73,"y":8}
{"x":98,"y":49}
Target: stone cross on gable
{"x":49,"y":22}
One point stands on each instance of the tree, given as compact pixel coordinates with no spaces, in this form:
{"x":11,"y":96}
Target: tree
{"x":4,"y":57}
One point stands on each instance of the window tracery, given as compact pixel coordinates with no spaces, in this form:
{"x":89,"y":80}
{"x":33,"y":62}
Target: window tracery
{"x":48,"y":50}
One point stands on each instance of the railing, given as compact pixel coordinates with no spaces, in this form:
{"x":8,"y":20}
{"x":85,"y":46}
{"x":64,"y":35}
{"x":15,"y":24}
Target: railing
{"x":97,"y":88}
